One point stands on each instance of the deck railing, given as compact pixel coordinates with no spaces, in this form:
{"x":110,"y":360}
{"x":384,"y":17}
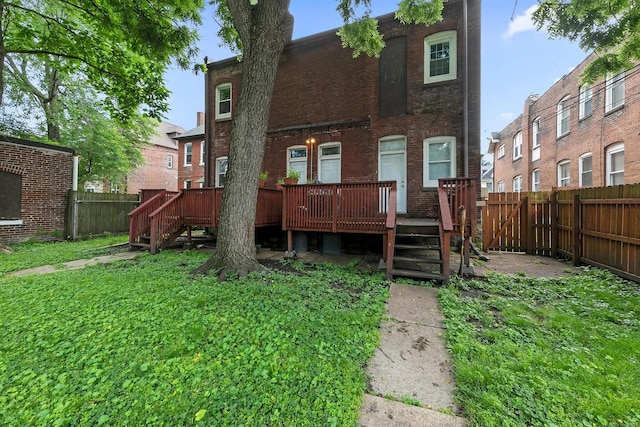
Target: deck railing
{"x":460,"y":192}
{"x":337,"y":208}
{"x":201,"y":207}
{"x":139,"y":218}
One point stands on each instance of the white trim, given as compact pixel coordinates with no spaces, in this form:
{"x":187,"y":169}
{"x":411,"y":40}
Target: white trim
{"x":426,"y":175}
{"x":586,"y":98}
{"x":500,"y":187}
{"x":190,"y":150}
{"x":535,"y":183}
{"x":219,"y":88}
{"x":329,"y":157}
{"x":169,"y":161}
{"x":581,"y":170}
{"x":298,"y":161}
{"x":611,"y":150}
{"x":501,"y":151}
{"x":11,"y":222}
{"x":217,"y":175}
{"x":614,"y":86}
{"x":517,"y":183}
{"x":562,"y":180}
{"x":201,"y":153}
{"x":517,"y":146}
{"x":436,"y":39}
{"x":563,"y":116}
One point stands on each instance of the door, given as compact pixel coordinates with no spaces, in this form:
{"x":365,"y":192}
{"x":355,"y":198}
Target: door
{"x":392,"y":166}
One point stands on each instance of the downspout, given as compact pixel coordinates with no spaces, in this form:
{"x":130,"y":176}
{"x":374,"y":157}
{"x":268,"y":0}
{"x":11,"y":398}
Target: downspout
{"x":465,"y":106}
{"x":206,"y":124}
{"x":74,"y":183}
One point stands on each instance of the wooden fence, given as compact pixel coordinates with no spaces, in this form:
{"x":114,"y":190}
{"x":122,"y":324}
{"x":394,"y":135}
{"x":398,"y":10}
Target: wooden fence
{"x":595,"y":226}
{"x":97,"y":213}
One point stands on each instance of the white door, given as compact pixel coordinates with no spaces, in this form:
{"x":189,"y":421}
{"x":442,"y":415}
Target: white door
{"x":392,"y":166}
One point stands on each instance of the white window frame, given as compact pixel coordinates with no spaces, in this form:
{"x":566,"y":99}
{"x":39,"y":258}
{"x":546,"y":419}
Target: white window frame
{"x":517,"y":184}
{"x":220,"y":101}
{"x":614,"y":92}
{"x":582,"y":171}
{"x":500,"y":187}
{"x":188,"y":153}
{"x":563,"y":117}
{"x":611,"y":150}
{"x":220,"y":161}
{"x":564,"y":181}
{"x":535,"y":143}
{"x":426,"y":182}
{"x":292,"y":160}
{"x":201,"y":153}
{"x":322,"y":157}
{"x":517,"y":146}
{"x":535,"y":180}
{"x":170,"y":161}
{"x":501,"y":151}
{"x":439,"y":38}
{"x":187,"y":184}
{"x":586,"y":102}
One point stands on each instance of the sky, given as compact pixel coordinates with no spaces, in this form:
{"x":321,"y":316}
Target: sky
{"x":517,"y":60}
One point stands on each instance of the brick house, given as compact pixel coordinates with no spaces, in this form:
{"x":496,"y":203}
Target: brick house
{"x":159,"y":169}
{"x":35,"y":179}
{"x":573,"y":135}
{"x":399,"y":117}
{"x":191,"y":156}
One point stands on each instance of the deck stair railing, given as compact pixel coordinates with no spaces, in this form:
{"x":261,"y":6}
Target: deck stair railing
{"x":460,"y":192}
{"x":139,"y":218}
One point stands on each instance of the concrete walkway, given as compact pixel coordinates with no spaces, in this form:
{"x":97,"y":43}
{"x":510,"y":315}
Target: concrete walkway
{"x":79,"y":263}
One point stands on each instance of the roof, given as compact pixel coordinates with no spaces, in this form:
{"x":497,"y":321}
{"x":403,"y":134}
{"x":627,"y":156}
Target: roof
{"x":192,"y":133}
{"x":166,"y":134}
{"x":493,"y":140}
{"x":5,"y":139}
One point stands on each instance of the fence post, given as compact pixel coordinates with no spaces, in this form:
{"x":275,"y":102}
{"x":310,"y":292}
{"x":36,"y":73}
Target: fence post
{"x":524,"y":223}
{"x":72,"y":217}
{"x":553,"y":213}
{"x":576,"y":230}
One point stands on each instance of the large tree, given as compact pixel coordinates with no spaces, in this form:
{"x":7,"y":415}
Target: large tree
{"x":610,"y":28}
{"x":122,"y":47}
{"x":260,"y":29}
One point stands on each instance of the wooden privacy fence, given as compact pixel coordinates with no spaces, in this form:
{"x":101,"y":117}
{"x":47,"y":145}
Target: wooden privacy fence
{"x":595,"y":226}
{"x":97,"y":213}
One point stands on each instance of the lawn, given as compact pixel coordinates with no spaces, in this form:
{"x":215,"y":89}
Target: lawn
{"x":546,"y":352}
{"x":143,"y":342}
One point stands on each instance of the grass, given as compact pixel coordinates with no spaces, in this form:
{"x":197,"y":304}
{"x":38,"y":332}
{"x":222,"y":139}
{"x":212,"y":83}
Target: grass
{"x":29,"y":255}
{"x":144,"y":343}
{"x":546,"y":352}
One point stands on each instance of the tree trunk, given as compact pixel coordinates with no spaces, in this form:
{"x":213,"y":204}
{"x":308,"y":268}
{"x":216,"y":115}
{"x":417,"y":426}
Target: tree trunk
{"x":264,"y":30}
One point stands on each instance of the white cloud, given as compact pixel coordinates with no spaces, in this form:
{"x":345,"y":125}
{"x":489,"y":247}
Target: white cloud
{"x":521,"y":23}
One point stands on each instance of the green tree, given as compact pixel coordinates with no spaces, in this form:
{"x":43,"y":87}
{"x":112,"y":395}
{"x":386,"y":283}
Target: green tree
{"x":260,"y":29}
{"x":122,"y":47}
{"x":609,"y":28}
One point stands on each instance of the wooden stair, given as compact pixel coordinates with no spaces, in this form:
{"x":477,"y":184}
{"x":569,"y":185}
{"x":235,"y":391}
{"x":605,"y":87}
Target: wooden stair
{"x":418,"y":250}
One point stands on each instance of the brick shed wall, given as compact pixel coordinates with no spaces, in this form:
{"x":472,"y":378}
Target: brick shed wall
{"x":46,"y":180}
{"x":154,"y":173}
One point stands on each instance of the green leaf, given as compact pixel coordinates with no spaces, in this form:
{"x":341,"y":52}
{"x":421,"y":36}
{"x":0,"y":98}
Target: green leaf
{"x":200,"y":414}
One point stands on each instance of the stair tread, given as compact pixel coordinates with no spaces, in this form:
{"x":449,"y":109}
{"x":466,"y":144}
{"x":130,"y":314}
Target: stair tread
{"x":406,"y":246}
{"x":414,"y":273}
{"x":422,"y":260}
{"x":435,"y":236}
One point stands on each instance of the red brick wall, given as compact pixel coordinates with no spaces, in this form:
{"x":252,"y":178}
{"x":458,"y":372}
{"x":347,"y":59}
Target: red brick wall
{"x":321,"y":91}
{"x":47,"y":177}
{"x":592,"y":134}
{"x":154,"y":172}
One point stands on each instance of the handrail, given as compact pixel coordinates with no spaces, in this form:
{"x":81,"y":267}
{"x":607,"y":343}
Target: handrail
{"x":165,"y":221}
{"x":390,"y":238}
{"x":139,"y":220}
{"x":445,"y":210}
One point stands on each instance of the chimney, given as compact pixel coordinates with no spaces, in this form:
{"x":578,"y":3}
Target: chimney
{"x":200,"y":118}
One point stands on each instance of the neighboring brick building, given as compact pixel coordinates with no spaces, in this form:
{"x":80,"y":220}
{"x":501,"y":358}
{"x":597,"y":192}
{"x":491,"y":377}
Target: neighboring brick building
{"x":160,"y":168}
{"x":572,"y":136}
{"x":191,"y":156}
{"x":35,"y":180}
{"x":400,"y":117}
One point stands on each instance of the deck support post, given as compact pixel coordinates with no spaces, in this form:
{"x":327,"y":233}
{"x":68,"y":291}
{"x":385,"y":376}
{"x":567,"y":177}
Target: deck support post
{"x":289,"y":240}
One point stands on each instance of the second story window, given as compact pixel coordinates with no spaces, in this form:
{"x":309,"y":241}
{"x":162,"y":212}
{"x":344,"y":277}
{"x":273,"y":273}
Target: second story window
{"x":562,"y":117}
{"x":170,"y":162}
{"x":614,"y":96}
{"x":535,"y":145}
{"x":517,"y":146}
{"x":223,"y":101}
{"x":187,"y":154}
{"x":440,"y":57}
{"x":202,"y":152}
{"x":501,"y":151}
{"x":586,"y":102}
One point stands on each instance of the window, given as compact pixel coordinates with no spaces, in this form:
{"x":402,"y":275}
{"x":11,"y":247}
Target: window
{"x":202,"y":152}
{"x":535,"y":180}
{"x":10,"y":198}
{"x":586,"y":103}
{"x":535,"y":146}
{"x":221,"y":171}
{"x":297,"y":161}
{"x":169,"y":162}
{"x":586,"y":168}
{"x":187,"y":154}
{"x":615,"y":164}
{"x":517,"y":146}
{"x":501,"y":151}
{"x":439,"y":159}
{"x":563,"y":117}
{"x":187,"y":184}
{"x":440,"y":57}
{"x":329,"y":162}
{"x":500,"y":186}
{"x":614,"y":93}
{"x":517,"y":184}
{"x":564,"y":173}
{"x":223,"y":101}
{"x":114,"y":187}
